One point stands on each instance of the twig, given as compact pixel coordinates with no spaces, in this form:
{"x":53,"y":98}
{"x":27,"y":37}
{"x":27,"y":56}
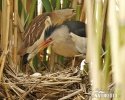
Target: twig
{"x":60,"y":78}
{"x":12,"y":75}
{"x":71,"y":95}
{"x":14,"y":87}
{"x":54,"y":83}
{"x":44,"y":96}
{"x":25,"y":94}
{"x":6,"y":89}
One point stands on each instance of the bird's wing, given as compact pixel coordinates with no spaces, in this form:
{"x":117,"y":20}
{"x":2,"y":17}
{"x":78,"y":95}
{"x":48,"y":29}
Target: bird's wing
{"x":76,"y":27}
{"x":33,"y":32}
{"x":77,"y":30}
{"x":80,"y":42}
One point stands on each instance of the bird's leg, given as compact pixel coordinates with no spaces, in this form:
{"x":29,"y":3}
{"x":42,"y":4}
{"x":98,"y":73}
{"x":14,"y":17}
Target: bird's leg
{"x":31,"y":65}
{"x":73,"y":61}
{"x":80,"y":55}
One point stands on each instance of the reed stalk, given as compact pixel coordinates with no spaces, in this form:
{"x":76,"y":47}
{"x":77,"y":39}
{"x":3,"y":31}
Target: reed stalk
{"x":107,"y":60}
{"x":15,"y":32}
{"x":24,"y":4}
{"x":47,"y":6}
{"x":93,"y":55}
{"x":107,"y":64}
{"x":22,"y":12}
{"x":1,"y":5}
{"x":20,"y":23}
{"x":98,"y":25}
{"x":78,"y":9}
{"x":58,"y":4}
{"x":32,"y":10}
{"x":3,"y":25}
{"x":5,"y":16}
{"x":65,"y":4}
{"x":83,"y":12}
{"x":122,"y":47}
{"x":6,"y":89}
{"x":114,"y":43}
{"x":0,"y":15}
{"x":53,"y":2}
{"x":74,"y":4}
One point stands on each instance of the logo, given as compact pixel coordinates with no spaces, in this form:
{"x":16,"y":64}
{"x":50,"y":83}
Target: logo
{"x":101,"y":93}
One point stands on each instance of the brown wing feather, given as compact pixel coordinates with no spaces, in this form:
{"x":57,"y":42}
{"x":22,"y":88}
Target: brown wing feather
{"x":33,"y":32}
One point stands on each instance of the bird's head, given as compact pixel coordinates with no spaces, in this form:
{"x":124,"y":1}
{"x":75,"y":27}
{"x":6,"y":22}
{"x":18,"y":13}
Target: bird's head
{"x":48,"y":38}
{"x":49,"y":31}
{"x":52,"y":35}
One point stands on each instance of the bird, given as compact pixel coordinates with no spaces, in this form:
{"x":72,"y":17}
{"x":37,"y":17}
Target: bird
{"x":67,"y":39}
{"x":33,"y":35}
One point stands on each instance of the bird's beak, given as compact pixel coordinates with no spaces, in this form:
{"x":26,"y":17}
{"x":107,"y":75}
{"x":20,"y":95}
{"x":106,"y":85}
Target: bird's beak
{"x":43,"y":45}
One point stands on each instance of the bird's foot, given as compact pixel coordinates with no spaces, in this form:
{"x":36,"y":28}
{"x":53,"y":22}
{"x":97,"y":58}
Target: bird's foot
{"x":73,"y":61}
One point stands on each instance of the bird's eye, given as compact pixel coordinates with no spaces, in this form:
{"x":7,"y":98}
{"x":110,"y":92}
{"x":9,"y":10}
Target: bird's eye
{"x":73,"y":10}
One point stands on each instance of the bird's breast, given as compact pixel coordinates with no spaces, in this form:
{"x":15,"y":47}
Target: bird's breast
{"x":65,"y":47}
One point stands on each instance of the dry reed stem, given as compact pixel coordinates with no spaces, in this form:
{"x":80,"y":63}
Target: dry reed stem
{"x":3,"y":25}
{"x":2,"y":95}
{"x":23,"y":10}
{"x":16,"y":92}
{"x":74,"y":4}
{"x":1,"y":57}
{"x":15,"y":32}
{"x":24,"y":4}
{"x":47,"y":83}
{"x":6,"y":90}
{"x":20,"y":23}
{"x":13,"y":75}
{"x":56,"y":83}
{"x":71,"y":95}
{"x":16,"y":88}
{"x":83,"y":12}
{"x":60,"y":78}
{"x":26,"y":93}
{"x":6,"y":37}
{"x":44,"y":96}
{"x":10,"y":39}
{"x":11,"y":9}
{"x":0,"y":23}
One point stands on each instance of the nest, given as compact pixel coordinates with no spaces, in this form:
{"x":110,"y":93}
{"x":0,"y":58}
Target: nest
{"x":68,"y":84}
